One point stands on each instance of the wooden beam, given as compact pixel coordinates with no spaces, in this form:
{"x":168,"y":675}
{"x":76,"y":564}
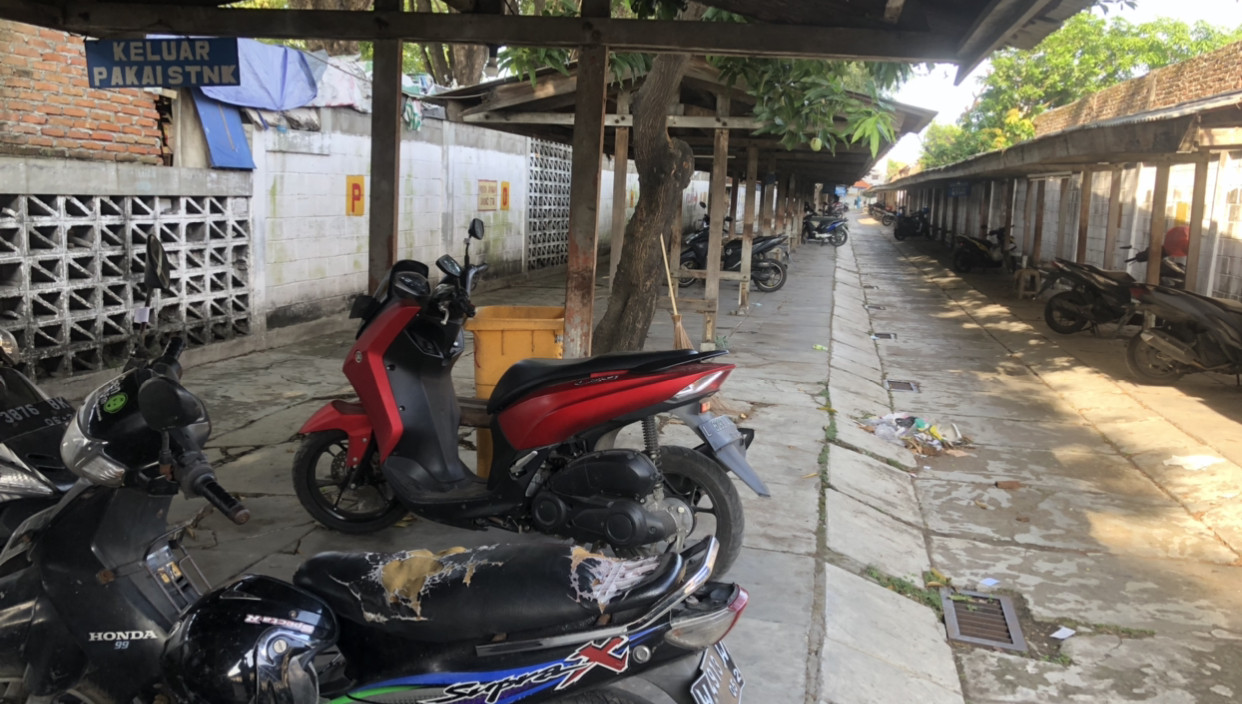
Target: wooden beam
{"x":620,"y":191}
{"x":1159,"y":202}
{"x":1113,"y":226}
{"x":716,"y":212}
{"x":1197,"y":207}
{"x":1220,"y":138}
{"x":1063,"y":213}
{"x":1037,"y":240}
{"x":991,"y":29}
{"x":1084,"y":216}
{"x":385,"y":156}
{"x":621,"y":35}
{"x":588,"y":147}
{"x":753,"y":189}
{"x":612,"y":120}
{"x":735,"y":184}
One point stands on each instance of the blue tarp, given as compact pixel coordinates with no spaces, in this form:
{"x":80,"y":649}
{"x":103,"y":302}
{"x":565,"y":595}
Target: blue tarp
{"x":272,"y":78}
{"x":226,"y":140}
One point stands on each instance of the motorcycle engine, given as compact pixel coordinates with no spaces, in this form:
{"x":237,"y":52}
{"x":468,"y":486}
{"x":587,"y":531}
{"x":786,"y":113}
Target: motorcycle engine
{"x":599,"y":496}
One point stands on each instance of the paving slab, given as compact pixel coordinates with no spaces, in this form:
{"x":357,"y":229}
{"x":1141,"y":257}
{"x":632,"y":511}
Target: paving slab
{"x":871,"y":537}
{"x":874,"y":483}
{"x":903,"y":656}
{"x":850,"y":436}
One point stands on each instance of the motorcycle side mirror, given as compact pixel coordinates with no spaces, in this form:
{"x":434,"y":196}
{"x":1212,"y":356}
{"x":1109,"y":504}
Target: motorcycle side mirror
{"x":476,"y":229}
{"x":156,"y":267}
{"x":166,"y":405}
{"x":702,"y":204}
{"x":449,"y":265}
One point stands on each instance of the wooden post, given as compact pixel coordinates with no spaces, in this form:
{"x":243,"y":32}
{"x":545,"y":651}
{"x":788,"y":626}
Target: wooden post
{"x":385,"y":153}
{"x":1113,"y":226}
{"x":1159,"y":202}
{"x":716,"y":214}
{"x":748,"y":224}
{"x":789,"y":227}
{"x":1198,"y":205}
{"x":1084,"y":215}
{"x":1007,"y":197}
{"x":1037,"y":241}
{"x":950,"y":240}
{"x":782,"y":193}
{"x":985,"y":207}
{"x":1028,"y":218}
{"x":588,"y":146}
{"x":1062,"y":218}
{"x":765,"y":207}
{"x":1218,"y":217}
{"x":620,"y":165}
{"x":735,"y":186}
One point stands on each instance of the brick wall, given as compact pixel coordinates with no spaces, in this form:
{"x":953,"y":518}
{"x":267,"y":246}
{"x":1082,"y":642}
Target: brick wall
{"x":48,"y":109}
{"x":1200,"y":77}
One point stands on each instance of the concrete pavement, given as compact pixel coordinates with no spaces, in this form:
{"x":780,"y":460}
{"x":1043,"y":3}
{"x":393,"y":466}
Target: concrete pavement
{"x":1140,"y":557}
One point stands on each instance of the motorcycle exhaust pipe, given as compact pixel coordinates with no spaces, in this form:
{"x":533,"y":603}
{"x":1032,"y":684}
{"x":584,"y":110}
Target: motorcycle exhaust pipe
{"x":1171,"y":347}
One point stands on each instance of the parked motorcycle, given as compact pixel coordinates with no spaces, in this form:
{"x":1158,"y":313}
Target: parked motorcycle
{"x":1184,"y":333}
{"x":987,"y":252}
{"x":1172,"y":274}
{"x":32,"y":476}
{"x":1096,"y":296}
{"x":767,"y":272}
{"x":362,"y":466}
{"x":824,"y":229}
{"x":912,"y":225}
{"x":103,"y":605}
{"x":883,"y":214}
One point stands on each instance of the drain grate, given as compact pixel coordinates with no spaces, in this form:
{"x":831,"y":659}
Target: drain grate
{"x":982,"y":619}
{"x":871,"y":286}
{"x":872,"y":306}
{"x":899,"y":385}
{"x":884,"y":335}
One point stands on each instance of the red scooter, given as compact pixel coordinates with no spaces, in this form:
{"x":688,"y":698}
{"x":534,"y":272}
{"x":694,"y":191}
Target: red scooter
{"x":363,"y":466}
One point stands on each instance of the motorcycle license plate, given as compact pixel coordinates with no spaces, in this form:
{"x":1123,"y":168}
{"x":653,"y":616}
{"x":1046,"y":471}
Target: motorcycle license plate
{"x":719,"y":431}
{"x":19,"y":420}
{"x":719,"y":681}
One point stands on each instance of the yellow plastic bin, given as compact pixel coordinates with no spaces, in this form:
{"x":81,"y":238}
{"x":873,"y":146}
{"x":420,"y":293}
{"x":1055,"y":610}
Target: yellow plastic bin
{"x":504,"y":335}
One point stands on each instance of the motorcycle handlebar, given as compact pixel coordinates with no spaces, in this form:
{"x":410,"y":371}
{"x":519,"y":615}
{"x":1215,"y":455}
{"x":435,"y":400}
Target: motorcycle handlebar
{"x":216,"y":495}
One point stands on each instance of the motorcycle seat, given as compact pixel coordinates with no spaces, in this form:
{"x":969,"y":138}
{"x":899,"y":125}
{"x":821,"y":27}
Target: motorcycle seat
{"x":530,"y":374}
{"x":474,"y":594}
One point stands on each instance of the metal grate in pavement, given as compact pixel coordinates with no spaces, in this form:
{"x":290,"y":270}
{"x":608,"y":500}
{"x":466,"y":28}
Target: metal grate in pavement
{"x":982,"y":619}
{"x":872,"y":306}
{"x":884,"y":335}
{"x":900,"y":385}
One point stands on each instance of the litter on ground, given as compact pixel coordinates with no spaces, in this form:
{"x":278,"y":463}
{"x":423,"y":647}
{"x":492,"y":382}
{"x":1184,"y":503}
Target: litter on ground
{"x":915,"y":433}
{"x":1193,"y":462}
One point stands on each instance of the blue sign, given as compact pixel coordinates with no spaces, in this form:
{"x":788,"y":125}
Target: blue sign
{"x":959,"y":189}
{"x":840,"y":190}
{"x":169,"y":63}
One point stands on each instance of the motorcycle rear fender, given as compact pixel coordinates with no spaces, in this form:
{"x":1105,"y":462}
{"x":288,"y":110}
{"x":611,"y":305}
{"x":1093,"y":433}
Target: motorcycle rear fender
{"x":731,"y":456}
{"x":349,"y":418}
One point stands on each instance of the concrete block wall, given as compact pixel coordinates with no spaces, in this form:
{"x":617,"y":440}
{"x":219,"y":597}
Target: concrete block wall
{"x":1201,"y":77}
{"x":48,"y":109}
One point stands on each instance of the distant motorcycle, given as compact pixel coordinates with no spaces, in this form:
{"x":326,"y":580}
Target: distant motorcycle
{"x":824,"y":229}
{"x":766,"y":271}
{"x":987,"y":252}
{"x":912,"y":225}
{"x":1185,"y":333}
{"x":883,"y":214}
{"x":1097,"y":295}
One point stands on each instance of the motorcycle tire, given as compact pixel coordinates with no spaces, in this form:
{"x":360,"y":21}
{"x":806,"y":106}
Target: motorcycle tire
{"x":899,"y":235}
{"x":839,"y":237}
{"x":1063,"y":319}
{"x":309,"y":488}
{"x":1149,"y":366}
{"x":886,"y":220}
{"x":963,"y":262}
{"x":771,"y":277}
{"x":693,"y":477}
{"x":602,"y":696}
{"x":686,"y":281}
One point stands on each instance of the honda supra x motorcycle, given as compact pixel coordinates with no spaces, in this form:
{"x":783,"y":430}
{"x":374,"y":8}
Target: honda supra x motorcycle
{"x":1184,"y":333}
{"x":824,"y":229}
{"x":102,"y":604}
{"x":362,"y":466}
{"x":767,"y":272}
{"x":987,"y":252}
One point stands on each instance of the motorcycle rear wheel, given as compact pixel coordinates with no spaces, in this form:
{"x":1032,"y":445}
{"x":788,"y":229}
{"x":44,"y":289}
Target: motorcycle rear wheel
{"x":706,"y":487}
{"x":771,"y":277}
{"x":839,"y":237}
{"x":1149,"y":366}
{"x":381,"y":508}
{"x":886,"y":220}
{"x":685,"y":281}
{"x":1060,"y":315}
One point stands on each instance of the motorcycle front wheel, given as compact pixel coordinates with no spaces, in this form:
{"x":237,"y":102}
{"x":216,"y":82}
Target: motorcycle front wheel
{"x":685,"y":281}
{"x":963,"y":261}
{"x":886,"y":220}
{"x":1060,"y":313}
{"x":345,"y":500}
{"x":839,"y":237}
{"x":770,"y":277}
{"x":1149,"y":365}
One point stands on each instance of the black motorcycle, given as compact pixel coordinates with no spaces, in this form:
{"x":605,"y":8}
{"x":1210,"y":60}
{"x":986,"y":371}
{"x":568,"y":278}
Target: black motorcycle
{"x":102,"y":604}
{"x":766,"y":271}
{"x":824,"y":229}
{"x":1184,"y":332}
{"x":32,"y":476}
{"x":1096,"y":296}
{"x":987,"y":252}
{"x":912,"y":225}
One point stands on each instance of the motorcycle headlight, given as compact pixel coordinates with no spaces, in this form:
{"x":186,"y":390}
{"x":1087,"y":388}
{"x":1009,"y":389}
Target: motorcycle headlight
{"x":85,"y":457}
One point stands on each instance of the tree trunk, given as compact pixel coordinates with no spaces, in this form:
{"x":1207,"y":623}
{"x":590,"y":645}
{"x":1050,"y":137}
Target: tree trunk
{"x":664,"y":168}
{"x":468,"y":63}
{"x":334,"y":47}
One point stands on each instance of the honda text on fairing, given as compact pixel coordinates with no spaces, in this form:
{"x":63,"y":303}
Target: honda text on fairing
{"x":362,"y":466}
{"x":102,"y":605}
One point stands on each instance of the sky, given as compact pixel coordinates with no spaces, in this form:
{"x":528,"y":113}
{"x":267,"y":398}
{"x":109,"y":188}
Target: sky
{"x":937,"y":92}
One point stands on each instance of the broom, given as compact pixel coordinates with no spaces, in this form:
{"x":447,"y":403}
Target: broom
{"x":681,"y":341}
